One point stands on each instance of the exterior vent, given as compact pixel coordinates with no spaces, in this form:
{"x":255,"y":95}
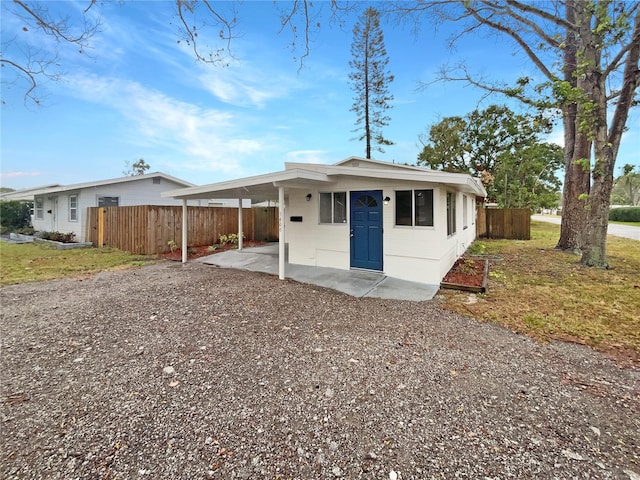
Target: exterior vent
{"x":156,"y":180}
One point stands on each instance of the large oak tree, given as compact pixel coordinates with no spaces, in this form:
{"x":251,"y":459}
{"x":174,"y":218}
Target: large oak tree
{"x":586,"y":55}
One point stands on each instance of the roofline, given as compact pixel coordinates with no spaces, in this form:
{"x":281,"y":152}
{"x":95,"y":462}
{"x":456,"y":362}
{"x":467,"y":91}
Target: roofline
{"x":275,"y":178}
{"x":112,"y":181}
{"x":280,"y":178}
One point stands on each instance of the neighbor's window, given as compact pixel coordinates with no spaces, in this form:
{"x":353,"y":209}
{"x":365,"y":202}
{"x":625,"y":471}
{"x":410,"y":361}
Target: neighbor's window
{"x":465,"y":212}
{"x":414,"y":208}
{"x":73,"y":208}
{"x":333,"y":207}
{"x":108,"y":201}
{"x":451,"y":213}
{"x":39,"y":208}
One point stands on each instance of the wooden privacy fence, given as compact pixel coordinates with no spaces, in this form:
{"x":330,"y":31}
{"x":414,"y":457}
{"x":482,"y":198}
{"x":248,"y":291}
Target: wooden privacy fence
{"x":148,"y":229}
{"x":510,"y":223}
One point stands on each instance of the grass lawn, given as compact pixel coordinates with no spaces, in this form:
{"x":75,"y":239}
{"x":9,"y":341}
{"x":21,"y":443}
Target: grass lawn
{"x":29,"y":262}
{"x":548,"y":294}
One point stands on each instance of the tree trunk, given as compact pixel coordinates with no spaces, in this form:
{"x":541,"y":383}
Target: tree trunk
{"x":576,"y":185}
{"x":576,"y":178}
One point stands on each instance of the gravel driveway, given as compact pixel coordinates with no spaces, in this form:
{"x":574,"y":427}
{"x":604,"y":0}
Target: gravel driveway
{"x":193,"y":372}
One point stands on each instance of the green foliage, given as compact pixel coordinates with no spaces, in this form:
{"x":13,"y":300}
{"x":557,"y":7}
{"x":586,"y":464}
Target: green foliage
{"x":230,"y":238}
{"x":626,"y":188}
{"x":504,"y":150}
{"x":477,"y":248}
{"x":15,"y":215}
{"x":172,"y":245}
{"x":625,"y":214}
{"x":138,"y":168}
{"x":58,"y":236}
{"x":370,"y":80}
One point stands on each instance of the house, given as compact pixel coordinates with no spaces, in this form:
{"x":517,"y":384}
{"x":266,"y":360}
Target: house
{"x":63,"y":208}
{"x":26,"y":194}
{"x":407,"y":222}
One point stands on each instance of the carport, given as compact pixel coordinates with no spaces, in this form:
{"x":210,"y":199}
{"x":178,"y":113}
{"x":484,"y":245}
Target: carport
{"x":257,"y":188}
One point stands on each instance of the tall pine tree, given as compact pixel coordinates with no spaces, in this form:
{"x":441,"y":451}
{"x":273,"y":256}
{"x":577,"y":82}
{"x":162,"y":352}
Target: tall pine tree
{"x":370,"y":80}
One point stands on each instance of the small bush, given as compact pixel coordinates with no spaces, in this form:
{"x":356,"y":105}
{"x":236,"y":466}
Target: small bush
{"x":58,"y":236}
{"x":625,"y":214}
{"x":14,"y":215}
{"x":477,"y":248}
{"x":231,"y":238}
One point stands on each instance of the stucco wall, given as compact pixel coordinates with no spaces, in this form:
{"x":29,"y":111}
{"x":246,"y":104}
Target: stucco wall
{"x":420,"y":254}
{"x":142,"y":192}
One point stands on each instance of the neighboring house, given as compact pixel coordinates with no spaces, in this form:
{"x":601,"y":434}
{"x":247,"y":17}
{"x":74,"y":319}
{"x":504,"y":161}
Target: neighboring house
{"x":63,"y":208}
{"x":407,"y":222}
{"x":26,"y":194}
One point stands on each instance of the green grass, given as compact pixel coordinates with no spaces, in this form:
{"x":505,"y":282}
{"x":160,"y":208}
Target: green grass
{"x":545,"y":293}
{"x":631,"y":224}
{"x":31,"y":262}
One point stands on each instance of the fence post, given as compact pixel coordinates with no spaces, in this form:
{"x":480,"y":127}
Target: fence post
{"x":101,"y":213}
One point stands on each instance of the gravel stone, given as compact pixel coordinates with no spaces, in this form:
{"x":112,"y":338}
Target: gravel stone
{"x":276,"y":379}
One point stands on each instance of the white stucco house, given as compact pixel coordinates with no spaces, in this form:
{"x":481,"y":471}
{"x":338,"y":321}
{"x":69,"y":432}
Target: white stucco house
{"x":407,"y":222}
{"x":63,"y":208}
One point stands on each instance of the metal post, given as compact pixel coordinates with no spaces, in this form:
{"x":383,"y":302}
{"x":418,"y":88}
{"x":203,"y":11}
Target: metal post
{"x":240,"y":232}
{"x":281,"y":239}
{"x":184,"y":230}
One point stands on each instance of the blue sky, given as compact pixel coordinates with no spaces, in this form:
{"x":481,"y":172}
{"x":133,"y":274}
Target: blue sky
{"x":140,"y":94}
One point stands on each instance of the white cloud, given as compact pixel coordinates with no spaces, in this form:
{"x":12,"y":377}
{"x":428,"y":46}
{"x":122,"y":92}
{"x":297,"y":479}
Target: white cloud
{"x":19,"y":174}
{"x":308,"y":156}
{"x":209,"y":138}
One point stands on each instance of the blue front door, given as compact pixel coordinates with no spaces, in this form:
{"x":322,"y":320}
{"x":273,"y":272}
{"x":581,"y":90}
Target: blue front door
{"x":366,"y":229}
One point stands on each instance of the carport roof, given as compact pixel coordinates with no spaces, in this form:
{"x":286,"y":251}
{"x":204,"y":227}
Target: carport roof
{"x":265,"y":187}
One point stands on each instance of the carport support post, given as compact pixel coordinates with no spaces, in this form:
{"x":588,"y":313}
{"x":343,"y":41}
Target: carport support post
{"x":184,"y":230}
{"x":281,"y":233}
{"x":240,"y":224}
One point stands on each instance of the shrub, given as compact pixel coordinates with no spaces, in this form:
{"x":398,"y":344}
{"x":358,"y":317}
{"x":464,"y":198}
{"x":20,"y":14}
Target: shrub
{"x":625,"y":214}
{"x":58,"y":236}
{"x":15,"y":215}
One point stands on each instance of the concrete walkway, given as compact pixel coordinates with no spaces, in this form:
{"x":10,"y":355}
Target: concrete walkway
{"x":615,"y":229}
{"x":357,"y":283}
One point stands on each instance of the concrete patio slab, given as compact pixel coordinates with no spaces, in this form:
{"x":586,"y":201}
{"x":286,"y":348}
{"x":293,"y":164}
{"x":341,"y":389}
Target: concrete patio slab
{"x":357,"y":283}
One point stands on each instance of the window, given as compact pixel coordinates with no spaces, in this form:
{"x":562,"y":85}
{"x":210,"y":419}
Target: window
{"x":465,"y":212}
{"x":333,"y":207}
{"x":73,"y":208}
{"x":451,"y":213}
{"x":39,"y":208}
{"x":108,"y":201}
{"x":414,"y":208}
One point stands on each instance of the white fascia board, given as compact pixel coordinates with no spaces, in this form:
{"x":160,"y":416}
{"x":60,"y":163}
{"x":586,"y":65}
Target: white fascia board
{"x":263,"y":182}
{"x":461,"y":180}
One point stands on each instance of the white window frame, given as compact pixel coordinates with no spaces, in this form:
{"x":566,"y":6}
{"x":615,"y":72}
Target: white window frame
{"x":465,"y":212}
{"x":333,"y":208}
{"x":451,"y":214}
{"x":39,"y":208}
{"x":413,"y":208}
{"x":73,"y":208}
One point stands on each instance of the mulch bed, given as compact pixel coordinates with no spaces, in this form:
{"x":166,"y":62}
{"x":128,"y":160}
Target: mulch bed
{"x":203,"y":250}
{"x":466,"y":271}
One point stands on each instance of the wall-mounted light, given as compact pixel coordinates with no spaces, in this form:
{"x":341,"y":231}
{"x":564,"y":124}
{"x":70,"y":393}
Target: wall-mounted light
{"x":387,"y":200}
{"x":308,"y":197}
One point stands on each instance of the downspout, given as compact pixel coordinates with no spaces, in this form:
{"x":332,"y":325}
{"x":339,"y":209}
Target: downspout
{"x":240,"y":232}
{"x":184,"y":230}
{"x":281,"y":239}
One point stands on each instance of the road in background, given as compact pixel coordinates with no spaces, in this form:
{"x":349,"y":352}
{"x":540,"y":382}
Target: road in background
{"x":626,"y":231}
